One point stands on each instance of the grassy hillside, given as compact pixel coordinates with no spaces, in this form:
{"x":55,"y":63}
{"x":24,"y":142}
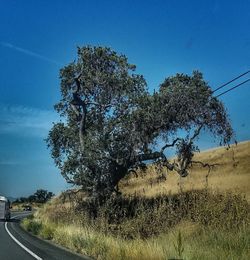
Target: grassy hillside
{"x":230,"y":173}
{"x":208,"y":219}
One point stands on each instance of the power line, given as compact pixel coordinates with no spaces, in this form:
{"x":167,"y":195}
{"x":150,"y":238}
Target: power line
{"x":238,"y":85}
{"x":222,"y":86}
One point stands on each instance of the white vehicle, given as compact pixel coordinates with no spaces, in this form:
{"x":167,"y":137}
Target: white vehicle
{"x":4,"y":208}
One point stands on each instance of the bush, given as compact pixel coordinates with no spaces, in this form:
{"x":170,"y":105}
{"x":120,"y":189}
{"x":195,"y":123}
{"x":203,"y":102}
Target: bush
{"x":133,"y":217}
{"x":32,"y":226}
{"x":136,"y":217}
{"x":191,"y":225}
{"x":47,"y":232}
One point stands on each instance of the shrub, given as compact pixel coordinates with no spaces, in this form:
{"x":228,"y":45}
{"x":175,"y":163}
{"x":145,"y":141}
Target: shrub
{"x":32,"y":226}
{"x":47,"y":232}
{"x":191,"y":225}
{"x":133,"y":217}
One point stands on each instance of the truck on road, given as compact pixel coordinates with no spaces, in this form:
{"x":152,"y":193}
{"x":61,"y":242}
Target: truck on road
{"x":4,"y":208}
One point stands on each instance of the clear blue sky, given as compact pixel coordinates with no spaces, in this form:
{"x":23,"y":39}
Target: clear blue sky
{"x":161,"y":37}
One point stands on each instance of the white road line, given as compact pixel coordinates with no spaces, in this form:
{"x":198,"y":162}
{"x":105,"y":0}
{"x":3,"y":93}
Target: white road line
{"x":21,"y":245}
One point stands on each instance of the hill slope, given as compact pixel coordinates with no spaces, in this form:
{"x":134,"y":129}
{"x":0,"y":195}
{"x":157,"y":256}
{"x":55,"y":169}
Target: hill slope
{"x":230,"y":173}
{"x":192,"y":225}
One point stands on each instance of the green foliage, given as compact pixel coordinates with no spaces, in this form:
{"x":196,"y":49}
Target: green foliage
{"x":36,"y":227}
{"x":47,"y":232}
{"x":32,"y":226}
{"x":43,"y":195}
{"x":40,"y":196}
{"x":112,"y":125}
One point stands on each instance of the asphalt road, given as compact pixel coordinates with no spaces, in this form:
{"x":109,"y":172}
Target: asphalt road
{"x":16,"y":244}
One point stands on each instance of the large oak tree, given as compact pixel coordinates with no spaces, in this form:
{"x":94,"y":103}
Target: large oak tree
{"x":112,"y":125}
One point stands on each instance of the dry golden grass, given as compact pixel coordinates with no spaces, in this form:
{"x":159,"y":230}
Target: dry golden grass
{"x":232,"y":173}
{"x":197,"y":242}
{"x":205,"y":234}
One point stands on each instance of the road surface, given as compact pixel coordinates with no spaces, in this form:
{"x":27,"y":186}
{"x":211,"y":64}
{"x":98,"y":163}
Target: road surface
{"x":16,"y":244}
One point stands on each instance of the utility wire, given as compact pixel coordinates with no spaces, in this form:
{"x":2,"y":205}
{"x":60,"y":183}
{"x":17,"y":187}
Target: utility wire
{"x":222,"y":86}
{"x":238,"y":85}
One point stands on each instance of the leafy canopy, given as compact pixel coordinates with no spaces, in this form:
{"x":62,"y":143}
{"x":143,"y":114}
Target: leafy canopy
{"x":112,"y":125}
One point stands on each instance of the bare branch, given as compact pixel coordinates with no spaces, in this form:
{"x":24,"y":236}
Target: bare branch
{"x":210,"y":166}
{"x":170,"y":145}
{"x":204,"y":165}
{"x":196,"y":133}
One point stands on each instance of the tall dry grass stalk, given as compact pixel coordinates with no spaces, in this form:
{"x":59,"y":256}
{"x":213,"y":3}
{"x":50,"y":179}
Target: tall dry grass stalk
{"x":204,"y":221}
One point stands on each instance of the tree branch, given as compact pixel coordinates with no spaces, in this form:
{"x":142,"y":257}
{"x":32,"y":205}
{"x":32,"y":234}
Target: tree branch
{"x":150,"y":156}
{"x":186,"y":159}
{"x":170,"y":145}
{"x":210,"y":166}
{"x":204,"y":165}
{"x":196,"y":133}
